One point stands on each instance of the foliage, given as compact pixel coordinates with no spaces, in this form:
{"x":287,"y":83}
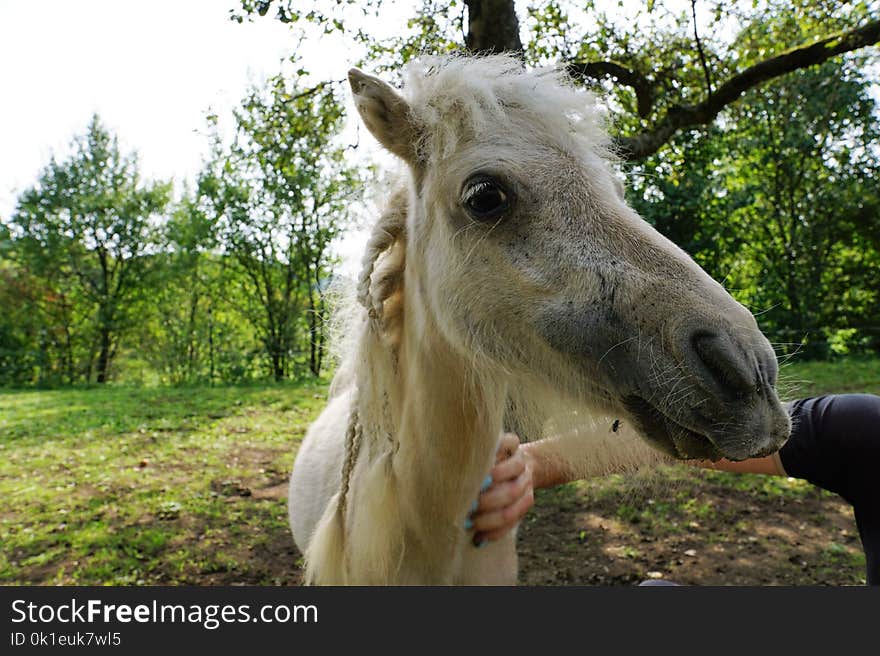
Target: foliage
{"x":279,"y":194}
{"x":102,"y":275}
{"x":669,"y":65}
{"x":82,"y":239}
{"x":750,"y":128}
{"x":780,"y":200}
{"x":771,"y":183}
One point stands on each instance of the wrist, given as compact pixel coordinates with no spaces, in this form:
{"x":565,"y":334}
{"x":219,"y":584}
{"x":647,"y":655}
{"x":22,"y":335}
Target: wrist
{"x":545,"y":473}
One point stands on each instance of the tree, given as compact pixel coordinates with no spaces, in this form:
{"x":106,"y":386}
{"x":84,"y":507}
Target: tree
{"x":781,"y":201}
{"x":190,"y":328}
{"x":280,"y":194}
{"x":175,"y":328}
{"x":665,"y":75}
{"x":19,"y":328}
{"x":85,"y":232}
{"x":747,"y":129}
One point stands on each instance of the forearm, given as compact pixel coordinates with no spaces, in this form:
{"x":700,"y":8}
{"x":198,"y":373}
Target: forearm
{"x":769,"y":465}
{"x":587,"y":451}
{"x":549,"y":469}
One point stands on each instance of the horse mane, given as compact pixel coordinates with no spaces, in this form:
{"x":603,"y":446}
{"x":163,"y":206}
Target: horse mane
{"x":379,"y":284}
{"x":374,"y":300}
{"x":374,"y":323}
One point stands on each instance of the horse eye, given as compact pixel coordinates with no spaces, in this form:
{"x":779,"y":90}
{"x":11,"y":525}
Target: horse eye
{"x":485,"y":198}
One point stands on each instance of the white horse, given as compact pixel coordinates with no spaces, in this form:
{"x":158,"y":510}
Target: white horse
{"x":509,"y":267}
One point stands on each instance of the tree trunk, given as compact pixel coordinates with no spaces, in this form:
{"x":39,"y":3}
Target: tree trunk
{"x":314,"y":364}
{"x":275,"y":350}
{"x":104,"y":356}
{"x":191,"y":337}
{"x":68,"y":355}
{"x":277,"y":366}
{"x":492,"y":27}
{"x":210,"y":346}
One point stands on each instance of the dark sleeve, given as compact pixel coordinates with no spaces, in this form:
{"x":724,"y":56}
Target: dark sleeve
{"x":835,"y":444}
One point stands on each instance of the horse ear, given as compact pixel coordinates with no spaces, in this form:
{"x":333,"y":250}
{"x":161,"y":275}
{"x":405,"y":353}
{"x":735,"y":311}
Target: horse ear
{"x":385,"y":112}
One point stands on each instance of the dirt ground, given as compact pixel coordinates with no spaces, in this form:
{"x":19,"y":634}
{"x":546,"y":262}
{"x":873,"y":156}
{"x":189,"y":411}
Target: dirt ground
{"x":688,"y":526}
{"x":699,"y":532}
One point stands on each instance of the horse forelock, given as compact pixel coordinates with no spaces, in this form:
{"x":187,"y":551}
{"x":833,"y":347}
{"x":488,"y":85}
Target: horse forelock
{"x":455,"y":98}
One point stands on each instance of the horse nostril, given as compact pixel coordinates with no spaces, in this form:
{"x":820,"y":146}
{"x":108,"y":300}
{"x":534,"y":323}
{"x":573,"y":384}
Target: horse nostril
{"x":724,"y":363}
{"x":769,"y":368}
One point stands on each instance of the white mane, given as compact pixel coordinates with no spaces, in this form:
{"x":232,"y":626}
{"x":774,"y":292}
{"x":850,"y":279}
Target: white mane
{"x":481,"y":91}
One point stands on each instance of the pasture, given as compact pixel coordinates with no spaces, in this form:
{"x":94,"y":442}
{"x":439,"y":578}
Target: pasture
{"x":139,"y":485}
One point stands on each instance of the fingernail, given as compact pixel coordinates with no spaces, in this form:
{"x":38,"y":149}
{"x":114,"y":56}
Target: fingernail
{"x":468,"y":524}
{"x":474,"y":505}
{"x":486,"y":483}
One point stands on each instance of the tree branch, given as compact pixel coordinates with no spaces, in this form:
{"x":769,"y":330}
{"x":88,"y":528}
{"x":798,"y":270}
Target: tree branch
{"x":598,"y":70}
{"x":683,"y":116}
{"x":700,"y":50}
{"x":310,"y":91}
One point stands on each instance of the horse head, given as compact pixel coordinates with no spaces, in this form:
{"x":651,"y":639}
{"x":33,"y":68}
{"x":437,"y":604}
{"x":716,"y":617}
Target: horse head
{"x":526,"y":256}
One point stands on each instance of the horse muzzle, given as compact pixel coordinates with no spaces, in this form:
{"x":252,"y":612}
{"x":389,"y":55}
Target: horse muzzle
{"x":722,"y":403}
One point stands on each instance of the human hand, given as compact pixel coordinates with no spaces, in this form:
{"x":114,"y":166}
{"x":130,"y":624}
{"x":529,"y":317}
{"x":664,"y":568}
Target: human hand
{"x":507,"y":494}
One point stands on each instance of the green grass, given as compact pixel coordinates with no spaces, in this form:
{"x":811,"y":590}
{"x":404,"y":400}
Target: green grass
{"x":125,"y":485}
{"x":802,"y":379}
{"x":128,"y":485}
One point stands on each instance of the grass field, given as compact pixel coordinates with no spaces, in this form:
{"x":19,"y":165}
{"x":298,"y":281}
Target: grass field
{"x":128,"y":485}
{"x":120,"y":485}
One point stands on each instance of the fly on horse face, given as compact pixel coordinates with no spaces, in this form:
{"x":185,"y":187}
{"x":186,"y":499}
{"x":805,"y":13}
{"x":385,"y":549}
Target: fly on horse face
{"x":508,"y":269}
